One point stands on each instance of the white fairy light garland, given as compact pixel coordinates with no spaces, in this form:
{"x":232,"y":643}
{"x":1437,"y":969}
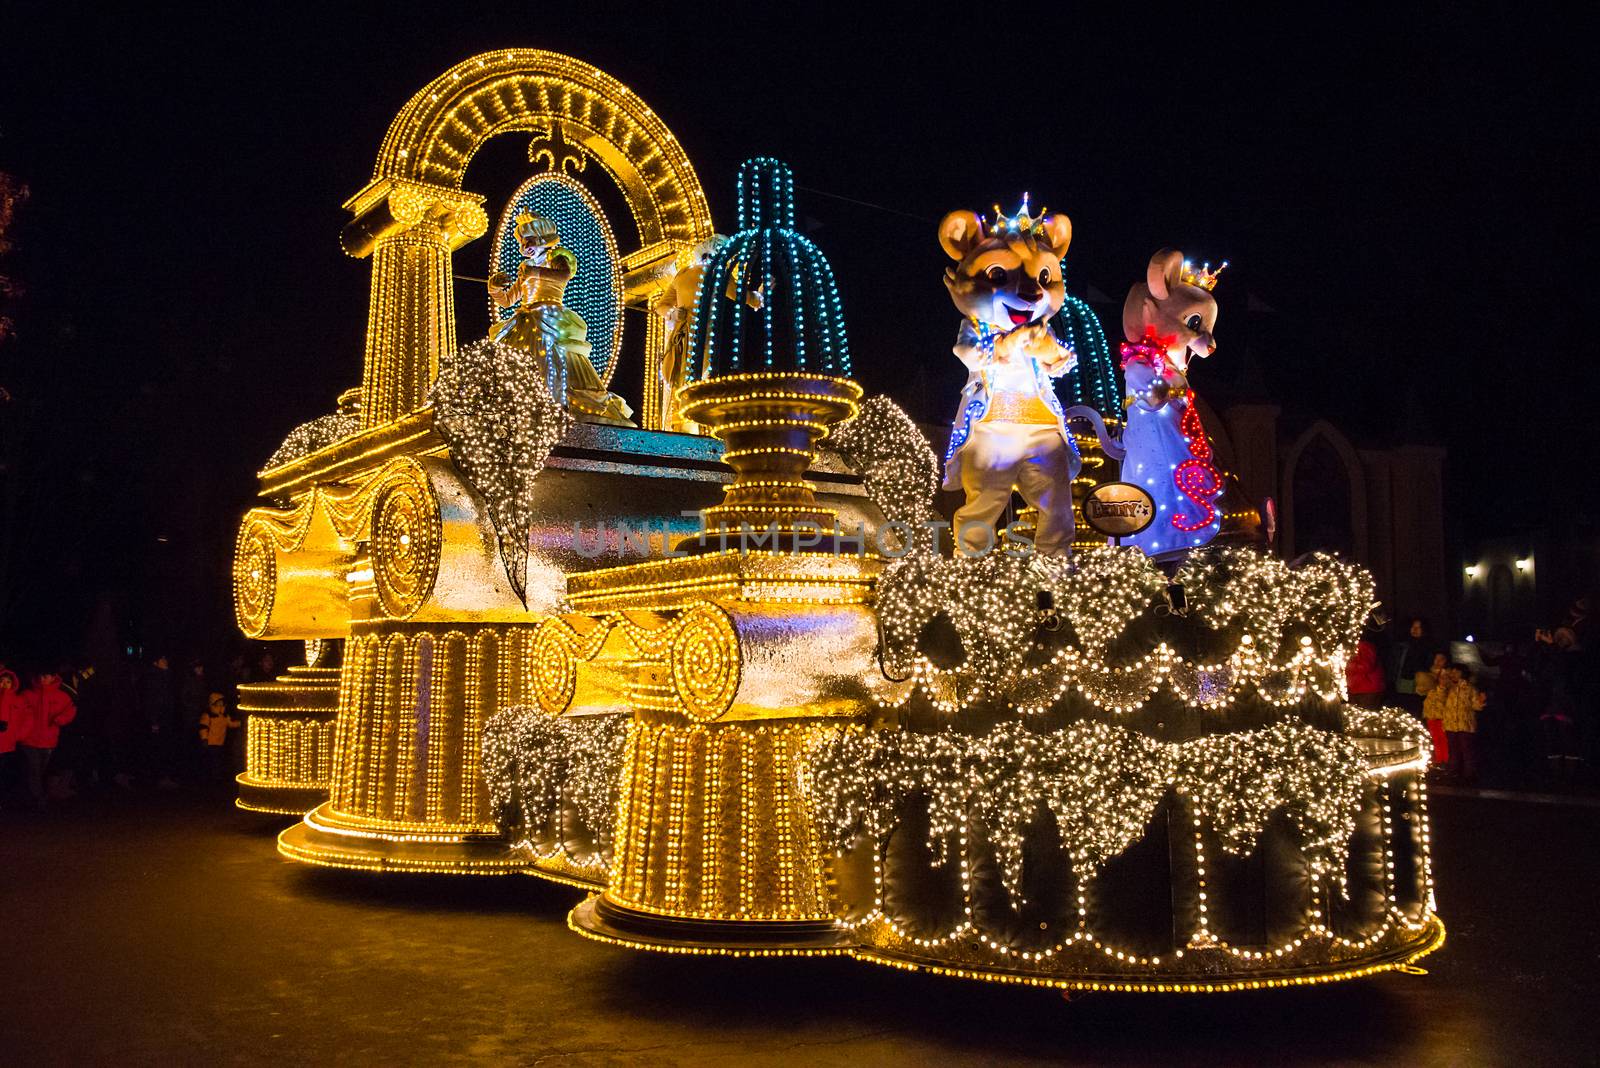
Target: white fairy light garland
{"x":1237,"y":781}
{"x":534,"y":763}
{"x":494,"y":410}
{"x":1101,"y":591}
{"x":1395,"y":723}
{"x":897,"y":466}
{"x":1296,"y":627}
{"x":1100,"y":781}
{"x":1233,"y":587}
{"x":312,"y":435}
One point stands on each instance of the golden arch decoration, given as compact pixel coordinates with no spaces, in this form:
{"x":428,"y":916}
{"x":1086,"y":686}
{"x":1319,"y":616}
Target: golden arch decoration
{"x":414,"y":213}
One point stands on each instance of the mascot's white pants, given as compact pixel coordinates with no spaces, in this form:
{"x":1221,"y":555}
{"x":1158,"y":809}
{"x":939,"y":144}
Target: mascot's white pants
{"x":1034,"y":459}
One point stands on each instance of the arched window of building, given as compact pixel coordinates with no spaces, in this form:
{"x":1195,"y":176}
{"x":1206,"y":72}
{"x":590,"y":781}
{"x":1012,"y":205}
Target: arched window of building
{"x":1322,"y":501}
{"x":1324,"y":504}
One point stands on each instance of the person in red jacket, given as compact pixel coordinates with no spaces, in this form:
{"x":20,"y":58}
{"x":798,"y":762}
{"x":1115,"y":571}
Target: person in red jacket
{"x":10,"y":726}
{"x":46,"y":708}
{"x":1364,"y":676}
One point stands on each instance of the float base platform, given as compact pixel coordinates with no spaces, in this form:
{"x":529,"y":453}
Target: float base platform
{"x":605,"y":921}
{"x":276,"y":799}
{"x":331,"y":840}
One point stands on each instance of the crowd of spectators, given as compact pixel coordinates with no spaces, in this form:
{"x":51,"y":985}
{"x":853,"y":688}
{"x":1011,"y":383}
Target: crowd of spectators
{"x":123,"y":724}
{"x":1518,"y":714}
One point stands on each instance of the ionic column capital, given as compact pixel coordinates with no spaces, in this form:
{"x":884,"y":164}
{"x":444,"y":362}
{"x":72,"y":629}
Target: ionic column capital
{"x":391,"y":206}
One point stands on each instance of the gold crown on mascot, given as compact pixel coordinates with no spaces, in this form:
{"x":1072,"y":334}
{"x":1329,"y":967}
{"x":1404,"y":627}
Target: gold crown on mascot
{"x":1205,"y":277}
{"x":1021,"y":222}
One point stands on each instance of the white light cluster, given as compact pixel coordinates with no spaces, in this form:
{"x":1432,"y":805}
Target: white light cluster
{"x":1237,"y":781}
{"x":494,"y":410}
{"x":535,"y":763}
{"x":1388,"y":723}
{"x":1101,"y":591}
{"x":897,"y":466}
{"x":991,"y":600}
{"x":1291,"y":630}
{"x":1246,"y":589}
{"x":1101,"y":782}
{"x":312,"y":435}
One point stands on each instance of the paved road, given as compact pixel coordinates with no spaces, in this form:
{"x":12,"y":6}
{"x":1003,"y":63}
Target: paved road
{"x":165,"y":930}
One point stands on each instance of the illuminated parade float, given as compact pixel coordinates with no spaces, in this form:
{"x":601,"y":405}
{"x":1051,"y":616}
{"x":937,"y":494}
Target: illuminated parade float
{"x":723,"y":662}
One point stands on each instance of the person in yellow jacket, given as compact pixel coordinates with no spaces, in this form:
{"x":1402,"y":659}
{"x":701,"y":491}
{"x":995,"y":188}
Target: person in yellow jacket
{"x":1425,"y":682}
{"x":1455,"y":702}
{"x":215,"y":722}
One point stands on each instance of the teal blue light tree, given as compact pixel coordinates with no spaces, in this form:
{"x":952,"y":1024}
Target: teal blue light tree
{"x":769,"y":367}
{"x":768,"y":301}
{"x":1094,"y":380}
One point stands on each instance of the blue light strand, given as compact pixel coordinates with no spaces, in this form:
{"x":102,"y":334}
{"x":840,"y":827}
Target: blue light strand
{"x":769,"y":301}
{"x":792,"y":260}
{"x":797,"y":287}
{"x":1094,"y":380}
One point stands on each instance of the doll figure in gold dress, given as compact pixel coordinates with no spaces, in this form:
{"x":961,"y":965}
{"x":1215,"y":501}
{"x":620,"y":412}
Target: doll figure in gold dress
{"x":676,"y":308}
{"x":544,"y":326}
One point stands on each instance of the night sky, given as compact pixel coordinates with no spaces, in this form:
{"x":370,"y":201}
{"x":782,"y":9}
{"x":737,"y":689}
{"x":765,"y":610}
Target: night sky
{"x":1406,"y":208}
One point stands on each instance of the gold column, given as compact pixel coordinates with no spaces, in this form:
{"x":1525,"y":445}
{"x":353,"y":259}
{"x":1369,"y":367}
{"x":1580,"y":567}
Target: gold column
{"x":399,"y":801}
{"x":655,"y":340}
{"x":714,"y":848}
{"x":410,"y":322}
{"x":393,"y":808}
{"x":712,"y":828}
{"x":409,"y":229}
{"x":449,"y":673}
{"x":479,"y":707}
{"x":734,"y":663}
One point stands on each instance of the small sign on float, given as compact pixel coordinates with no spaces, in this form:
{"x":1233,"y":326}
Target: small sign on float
{"x":1118,"y":509}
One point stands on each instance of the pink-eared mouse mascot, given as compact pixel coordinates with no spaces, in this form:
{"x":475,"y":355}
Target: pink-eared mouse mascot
{"x":1168,"y":321}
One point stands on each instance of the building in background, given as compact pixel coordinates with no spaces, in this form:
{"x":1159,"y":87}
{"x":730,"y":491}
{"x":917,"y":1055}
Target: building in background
{"x":1380,"y":506}
{"x":1513,"y":583}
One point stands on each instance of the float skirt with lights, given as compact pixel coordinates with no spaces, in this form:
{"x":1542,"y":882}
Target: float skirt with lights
{"x":1159,"y":824}
{"x":792,"y":725}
